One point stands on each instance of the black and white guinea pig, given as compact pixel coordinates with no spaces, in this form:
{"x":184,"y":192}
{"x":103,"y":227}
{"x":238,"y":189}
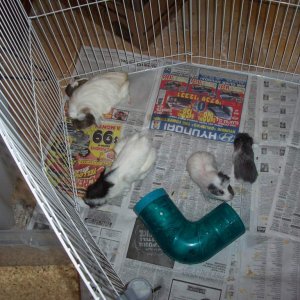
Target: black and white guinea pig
{"x":135,"y":157}
{"x":202,"y":168}
{"x":243,"y":158}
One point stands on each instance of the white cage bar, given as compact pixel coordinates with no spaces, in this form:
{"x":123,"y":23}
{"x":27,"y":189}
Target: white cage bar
{"x":51,"y":43}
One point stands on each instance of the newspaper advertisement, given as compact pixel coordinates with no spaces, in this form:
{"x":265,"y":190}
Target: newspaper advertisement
{"x":187,"y":290}
{"x":199,"y":103}
{"x":143,"y":247}
{"x":56,"y":161}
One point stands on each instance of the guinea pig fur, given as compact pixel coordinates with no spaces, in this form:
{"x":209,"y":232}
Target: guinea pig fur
{"x":202,"y":168}
{"x":135,"y":157}
{"x":243,"y":158}
{"x":97,"y":96}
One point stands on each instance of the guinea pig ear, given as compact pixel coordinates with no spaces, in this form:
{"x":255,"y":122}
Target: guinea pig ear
{"x":69,"y":90}
{"x":214,"y":190}
{"x":71,"y":87}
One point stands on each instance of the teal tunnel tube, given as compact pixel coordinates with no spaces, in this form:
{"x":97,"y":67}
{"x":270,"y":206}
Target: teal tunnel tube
{"x":185,"y":241}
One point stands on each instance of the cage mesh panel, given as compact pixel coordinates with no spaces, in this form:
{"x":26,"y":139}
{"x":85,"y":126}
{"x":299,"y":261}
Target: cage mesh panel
{"x":59,"y":40}
{"x":152,"y":32}
{"x":249,"y":36}
{"x":34,"y":129}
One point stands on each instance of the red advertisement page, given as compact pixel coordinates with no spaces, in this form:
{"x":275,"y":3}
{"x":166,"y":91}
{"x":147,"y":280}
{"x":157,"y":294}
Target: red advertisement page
{"x":91,"y":149}
{"x":206,"y":107}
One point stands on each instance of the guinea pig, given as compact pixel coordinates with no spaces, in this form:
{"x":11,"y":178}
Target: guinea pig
{"x":202,"y":168}
{"x":96,"y":97}
{"x":243,"y":158}
{"x":135,"y":157}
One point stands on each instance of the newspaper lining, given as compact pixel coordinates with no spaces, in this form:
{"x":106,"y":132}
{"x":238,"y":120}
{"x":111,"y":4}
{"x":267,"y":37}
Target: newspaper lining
{"x":245,"y":269}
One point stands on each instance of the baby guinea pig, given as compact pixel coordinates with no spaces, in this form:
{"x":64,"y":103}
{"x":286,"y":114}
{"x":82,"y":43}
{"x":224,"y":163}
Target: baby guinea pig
{"x":202,"y":168}
{"x":243,"y":158}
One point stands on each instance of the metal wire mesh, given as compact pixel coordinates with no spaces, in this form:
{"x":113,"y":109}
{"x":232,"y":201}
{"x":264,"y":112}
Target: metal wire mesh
{"x":33,"y":128}
{"x":55,"y":41}
{"x":248,"y":36}
{"x":152,"y":30}
{"x":241,"y":35}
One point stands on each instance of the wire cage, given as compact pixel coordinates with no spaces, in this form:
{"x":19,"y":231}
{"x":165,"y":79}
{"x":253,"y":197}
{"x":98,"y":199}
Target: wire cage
{"x":45,"y":44}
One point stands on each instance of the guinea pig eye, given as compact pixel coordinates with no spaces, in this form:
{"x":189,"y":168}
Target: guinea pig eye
{"x":230,"y":190}
{"x":214,"y":190}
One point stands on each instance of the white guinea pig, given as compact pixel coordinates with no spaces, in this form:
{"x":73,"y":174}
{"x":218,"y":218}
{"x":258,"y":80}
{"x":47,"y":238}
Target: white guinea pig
{"x":96,"y":96}
{"x":202,"y":168}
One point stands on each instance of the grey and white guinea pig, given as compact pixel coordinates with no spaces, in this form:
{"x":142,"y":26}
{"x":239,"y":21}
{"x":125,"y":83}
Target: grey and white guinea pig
{"x":96,"y":97}
{"x":202,"y":168}
{"x":243,"y":158}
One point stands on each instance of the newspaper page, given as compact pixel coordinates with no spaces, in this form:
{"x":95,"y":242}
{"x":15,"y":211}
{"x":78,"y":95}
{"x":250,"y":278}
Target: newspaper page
{"x":146,"y":259}
{"x":294,"y":139}
{"x":180,"y":95}
{"x":111,"y":229}
{"x":142,"y":256}
{"x":285,"y":214}
{"x":231,"y":282}
{"x":269,"y":268}
{"x":275,"y":117}
{"x":278,"y":101}
{"x":245,"y":201}
{"x":269,"y":161}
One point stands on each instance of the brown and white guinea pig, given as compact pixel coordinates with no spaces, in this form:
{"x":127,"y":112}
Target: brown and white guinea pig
{"x":202,"y":168}
{"x":93,"y":98}
{"x":243,"y":158}
{"x":135,"y":157}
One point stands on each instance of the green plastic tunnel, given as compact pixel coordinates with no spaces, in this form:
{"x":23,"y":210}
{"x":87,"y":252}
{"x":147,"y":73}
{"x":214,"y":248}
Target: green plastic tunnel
{"x":185,"y":241}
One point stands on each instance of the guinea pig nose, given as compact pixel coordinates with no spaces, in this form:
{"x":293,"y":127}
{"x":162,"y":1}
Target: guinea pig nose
{"x":230,"y":190}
